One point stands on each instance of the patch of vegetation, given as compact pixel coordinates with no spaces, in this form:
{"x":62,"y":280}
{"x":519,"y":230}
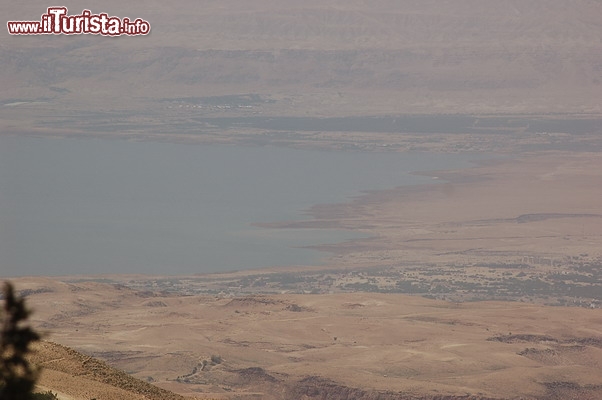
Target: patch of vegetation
{"x":17,"y":376}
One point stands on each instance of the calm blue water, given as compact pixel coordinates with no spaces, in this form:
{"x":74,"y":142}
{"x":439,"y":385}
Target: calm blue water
{"x":95,"y":206}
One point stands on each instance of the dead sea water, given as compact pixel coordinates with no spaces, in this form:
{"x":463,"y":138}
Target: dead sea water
{"x":100,"y":206}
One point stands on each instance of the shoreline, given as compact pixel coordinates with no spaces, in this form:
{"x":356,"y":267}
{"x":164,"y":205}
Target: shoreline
{"x":481,"y":236}
{"x":469,"y":232}
{"x":449,"y":224}
{"x":208,"y":197}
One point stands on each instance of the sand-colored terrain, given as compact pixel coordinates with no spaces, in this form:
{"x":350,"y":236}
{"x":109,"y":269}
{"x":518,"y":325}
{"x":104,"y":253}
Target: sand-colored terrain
{"x":534,"y":208}
{"x":71,"y":375}
{"x":524,"y":227}
{"x":326,"y":346}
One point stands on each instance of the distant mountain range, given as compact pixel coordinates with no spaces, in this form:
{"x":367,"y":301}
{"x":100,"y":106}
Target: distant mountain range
{"x":317,"y":58}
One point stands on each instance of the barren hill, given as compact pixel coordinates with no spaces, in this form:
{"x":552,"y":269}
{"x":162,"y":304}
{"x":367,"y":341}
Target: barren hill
{"x":73,"y":376}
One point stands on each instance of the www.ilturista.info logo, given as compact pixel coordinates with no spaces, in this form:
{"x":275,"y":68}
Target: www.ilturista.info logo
{"x":57,"y":22}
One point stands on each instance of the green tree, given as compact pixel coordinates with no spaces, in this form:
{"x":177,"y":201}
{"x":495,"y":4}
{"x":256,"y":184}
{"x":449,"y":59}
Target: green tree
{"x":17,"y":376}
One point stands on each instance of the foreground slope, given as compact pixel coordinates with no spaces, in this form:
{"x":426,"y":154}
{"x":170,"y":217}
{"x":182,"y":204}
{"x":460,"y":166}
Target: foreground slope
{"x":73,"y":376}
